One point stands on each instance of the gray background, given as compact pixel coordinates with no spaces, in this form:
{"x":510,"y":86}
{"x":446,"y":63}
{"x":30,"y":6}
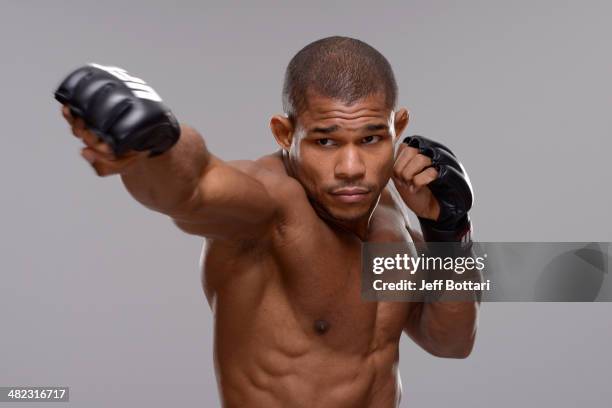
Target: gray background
{"x":104,"y":296}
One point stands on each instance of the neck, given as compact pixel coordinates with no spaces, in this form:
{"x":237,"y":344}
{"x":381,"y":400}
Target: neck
{"x":359,"y":227}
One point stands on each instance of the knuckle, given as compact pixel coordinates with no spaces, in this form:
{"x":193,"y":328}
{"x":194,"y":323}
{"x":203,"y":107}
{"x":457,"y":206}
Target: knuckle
{"x":424,"y":160}
{"x":103,"y":171}
{"x":411,"y":151}
{"x":404,"y":153}
{"x":407,"y":175}
{"x":90,"y":139}
{"x":433,"y":172}
{"x":106,"y":149}
{"x":420,"y":181}
{"x":98,"y":171}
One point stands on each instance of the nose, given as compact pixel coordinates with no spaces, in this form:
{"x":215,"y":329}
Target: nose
{"x":350,"y":164}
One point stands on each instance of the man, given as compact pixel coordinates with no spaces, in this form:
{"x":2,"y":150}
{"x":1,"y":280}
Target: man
{"x":284,"y":233}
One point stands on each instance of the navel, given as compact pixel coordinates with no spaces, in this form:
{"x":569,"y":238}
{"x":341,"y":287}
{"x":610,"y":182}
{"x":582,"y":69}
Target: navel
{"x":321,"y":326}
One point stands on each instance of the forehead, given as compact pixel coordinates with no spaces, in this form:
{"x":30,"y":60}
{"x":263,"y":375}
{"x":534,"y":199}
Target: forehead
{"x":321,"y":109}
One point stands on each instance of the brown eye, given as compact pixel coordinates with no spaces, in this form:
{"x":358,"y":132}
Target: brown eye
{"x":325,"y":142}
{"x":370,"y":139}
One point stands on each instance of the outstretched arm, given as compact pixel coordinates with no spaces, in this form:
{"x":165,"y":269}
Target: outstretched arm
{"x":127,"y":130}
{"x":201,"y":193}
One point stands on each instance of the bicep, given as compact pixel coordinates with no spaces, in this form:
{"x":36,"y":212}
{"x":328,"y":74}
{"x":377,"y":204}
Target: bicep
{"x":232,"y":200}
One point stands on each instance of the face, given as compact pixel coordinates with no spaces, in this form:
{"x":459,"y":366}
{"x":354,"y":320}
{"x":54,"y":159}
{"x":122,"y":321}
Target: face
{"x":342,"y":154}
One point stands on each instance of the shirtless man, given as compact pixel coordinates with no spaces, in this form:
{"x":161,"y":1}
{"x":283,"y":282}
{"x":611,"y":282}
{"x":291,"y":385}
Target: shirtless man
{"x":283,"y":233}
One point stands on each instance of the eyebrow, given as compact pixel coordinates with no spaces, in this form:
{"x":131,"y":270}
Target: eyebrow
{"x":325,"y":130}
{"x":374,"y":128}
{"x":333,"y":128}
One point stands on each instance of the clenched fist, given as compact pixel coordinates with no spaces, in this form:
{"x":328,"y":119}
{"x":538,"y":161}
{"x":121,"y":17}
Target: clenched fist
{"x":434,"y":184}
{"x":99,"y":153}
{"x":119,"y":117}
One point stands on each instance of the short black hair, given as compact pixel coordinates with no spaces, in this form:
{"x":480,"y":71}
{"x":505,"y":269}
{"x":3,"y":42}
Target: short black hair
{"x":337,"y":67}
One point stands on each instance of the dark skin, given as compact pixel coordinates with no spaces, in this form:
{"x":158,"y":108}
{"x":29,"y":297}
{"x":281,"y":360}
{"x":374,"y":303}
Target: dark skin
{"x":281,"y":262}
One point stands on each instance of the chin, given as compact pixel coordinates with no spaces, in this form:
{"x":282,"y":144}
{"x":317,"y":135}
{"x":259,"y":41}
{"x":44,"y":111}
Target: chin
{"x":350,"y":214}
{"x":343,"y":212}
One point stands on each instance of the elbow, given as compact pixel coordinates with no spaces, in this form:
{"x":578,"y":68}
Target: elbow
{"x":462,"y":353}
{"x":459,"y":350}
{"x":459,"y":353}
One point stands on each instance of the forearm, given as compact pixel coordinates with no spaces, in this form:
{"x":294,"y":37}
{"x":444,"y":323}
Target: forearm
{"x":447,"y":329}
{"x":445,"y":324}
{"x":166,"y":183}
{"x":449,"y":320}
{"x":434,"y":184}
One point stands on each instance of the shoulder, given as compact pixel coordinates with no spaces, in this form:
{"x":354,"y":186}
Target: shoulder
{"x":287,"y":193}
{"x":270,"y":171}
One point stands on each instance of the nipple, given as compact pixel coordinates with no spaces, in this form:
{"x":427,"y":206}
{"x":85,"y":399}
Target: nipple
{"x":321,"y":326}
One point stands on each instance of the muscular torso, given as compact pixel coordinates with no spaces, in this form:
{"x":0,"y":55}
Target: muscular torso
{"x":291,"y":329}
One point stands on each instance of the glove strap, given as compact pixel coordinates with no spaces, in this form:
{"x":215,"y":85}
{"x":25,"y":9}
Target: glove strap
{"x":462,"y":232}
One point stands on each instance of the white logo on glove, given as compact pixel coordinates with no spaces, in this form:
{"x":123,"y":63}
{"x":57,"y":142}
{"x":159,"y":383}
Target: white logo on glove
{"x":137,"y":85}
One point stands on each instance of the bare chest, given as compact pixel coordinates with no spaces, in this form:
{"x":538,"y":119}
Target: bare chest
{"x":309,"y":283}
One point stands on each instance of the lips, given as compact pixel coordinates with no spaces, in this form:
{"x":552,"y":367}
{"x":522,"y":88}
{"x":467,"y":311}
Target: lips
{"x":351,"y":194}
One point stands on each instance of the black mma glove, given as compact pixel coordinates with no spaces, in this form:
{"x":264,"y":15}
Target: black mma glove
{"x":452,"y":189}
{"x":122,"y":110}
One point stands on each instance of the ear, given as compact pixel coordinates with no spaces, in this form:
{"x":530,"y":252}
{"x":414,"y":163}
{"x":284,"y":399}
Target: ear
{"x":282,"y":129}
{"x":402,"y":117}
